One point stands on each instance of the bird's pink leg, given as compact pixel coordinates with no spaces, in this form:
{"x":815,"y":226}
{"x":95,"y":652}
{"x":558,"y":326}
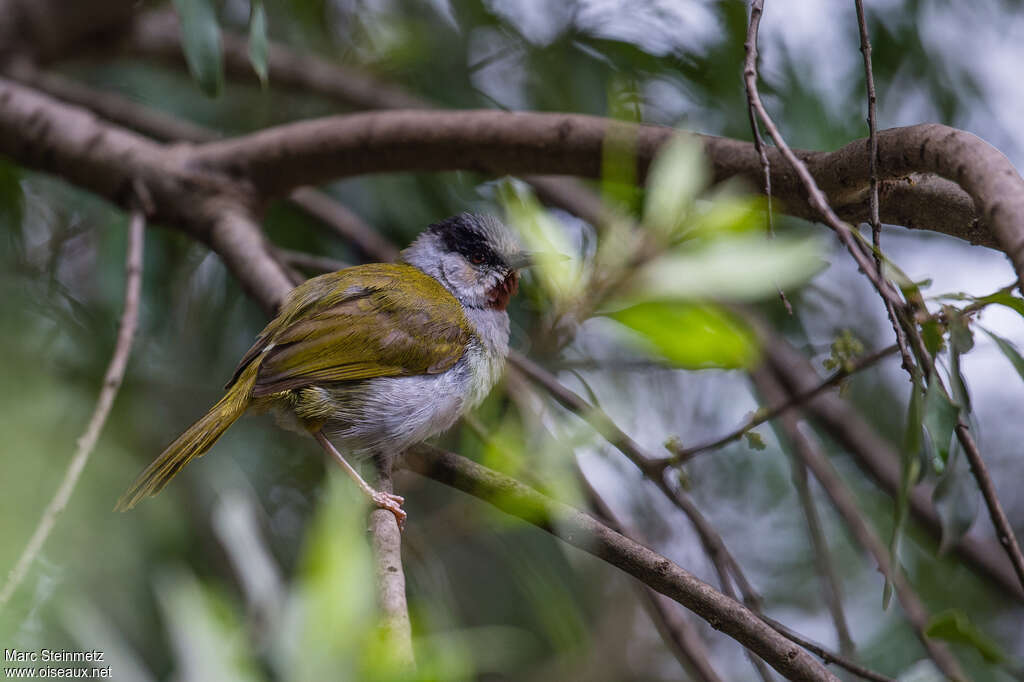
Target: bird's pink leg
{"x":389,"y":501}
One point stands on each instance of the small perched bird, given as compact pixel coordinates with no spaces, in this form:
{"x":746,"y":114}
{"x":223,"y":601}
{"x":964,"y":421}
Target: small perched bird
{"x":377,"y":357}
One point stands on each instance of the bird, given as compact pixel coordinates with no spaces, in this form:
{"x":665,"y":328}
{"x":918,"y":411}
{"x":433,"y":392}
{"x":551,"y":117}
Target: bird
{"x":376,"y":357}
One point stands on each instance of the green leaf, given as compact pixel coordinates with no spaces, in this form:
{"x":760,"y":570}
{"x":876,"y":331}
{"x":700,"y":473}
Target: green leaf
{"x":1004,"y":298}
{"x":940,"y":418}
{"x":12,"y":198}
{"x":910,"y":471}
{"x":961,"y":340}
{"x":726,"y":213}
{"x":956,"y":500}
{"x":546,"y":238}
{"x":754,"y":440}
{"x":618,"y":152}
{"x":1009,"y":350}
{"x":692,"y":335}
{"x":931,"y":333}
{"x":677,"y":175}
{"x":258,"y":45}
{"x":737,"y":268}
{"x":953,"y":625}
{"x":200,"y":37}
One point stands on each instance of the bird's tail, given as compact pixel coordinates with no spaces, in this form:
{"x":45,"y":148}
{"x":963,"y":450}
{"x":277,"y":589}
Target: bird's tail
{"x":196,"y":440}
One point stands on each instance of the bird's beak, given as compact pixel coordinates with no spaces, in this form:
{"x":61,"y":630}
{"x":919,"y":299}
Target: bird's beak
{"x":527,"y":259}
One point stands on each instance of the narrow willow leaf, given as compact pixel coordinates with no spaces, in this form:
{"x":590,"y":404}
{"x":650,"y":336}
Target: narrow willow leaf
{"x":677,"y":175}
{"x":12,"y":200}
{"x":200,"y":37}
{"x":691,"y":335}
{"x":736,"y":268}
{"x":258,"y":45}
{"x":1004,"y":298}
{"x":728,"y":214}
{"x":940,"y":418}
{"x":953,"y":625}
{"x":931,"y":333}
{"x":754,"y":440}
{"x":619,"y":187}
{"x":955,"y":499}
{"x":1009,"y":350}
{"x":544,"y":236}
{"x":910,"y":471}
{"x":961,"y":341}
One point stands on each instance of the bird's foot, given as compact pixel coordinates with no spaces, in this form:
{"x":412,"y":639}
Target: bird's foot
{"x":392,"y":503}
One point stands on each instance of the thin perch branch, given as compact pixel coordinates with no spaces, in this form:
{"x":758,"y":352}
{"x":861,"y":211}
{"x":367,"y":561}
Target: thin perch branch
{"x":678,"y":633}
{"x":995,"y":510}
{"x":831,"y":587}
{"x":387,"y":550}
{"x":111,"y":383}
{"x":593,"y":537}
{"x":681,"y":454}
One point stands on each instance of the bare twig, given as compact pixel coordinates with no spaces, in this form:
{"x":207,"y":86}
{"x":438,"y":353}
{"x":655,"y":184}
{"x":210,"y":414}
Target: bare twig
{"x":108,"y":392}
{"x":679,"y":635}
{"x":873,"y":203}
{"x":681,"y":454}
{"x":809,"y":452}
{"x":826,"y":655}
{"x":869,"y":79}
{"x":995,"y":510}
{"x":654,"y":570}
{"x":750,"y":63}
{"x":816,"y":197}
{"x":830,"y":584}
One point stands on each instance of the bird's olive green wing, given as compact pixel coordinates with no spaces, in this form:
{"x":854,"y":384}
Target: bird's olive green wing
{"x":359,"y":323}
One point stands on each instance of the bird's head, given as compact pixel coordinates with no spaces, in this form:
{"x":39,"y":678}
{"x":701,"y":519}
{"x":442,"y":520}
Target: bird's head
{"x":474,"y":256}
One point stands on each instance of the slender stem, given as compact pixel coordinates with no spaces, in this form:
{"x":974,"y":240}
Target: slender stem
{"x":681,"y":454}
{"x":593,"y":537}
{"x":679,"y":635}
{"x":108,"y":392}
{"x":830,"y":583}
{"x":826,"y":655}
{"x":995,"y":510}
{"x":815,"y":196}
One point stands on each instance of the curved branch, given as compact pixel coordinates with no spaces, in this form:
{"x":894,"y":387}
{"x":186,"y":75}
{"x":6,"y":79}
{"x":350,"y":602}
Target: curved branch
{"x":583,"y":531}
{"x":496,"y":142}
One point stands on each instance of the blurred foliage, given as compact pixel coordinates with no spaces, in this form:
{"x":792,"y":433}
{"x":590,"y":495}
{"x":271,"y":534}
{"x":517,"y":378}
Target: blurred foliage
{"x":491,"y":598}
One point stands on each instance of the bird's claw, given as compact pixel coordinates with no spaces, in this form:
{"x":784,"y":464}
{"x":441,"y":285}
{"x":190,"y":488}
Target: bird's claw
{"x":392,"y":503}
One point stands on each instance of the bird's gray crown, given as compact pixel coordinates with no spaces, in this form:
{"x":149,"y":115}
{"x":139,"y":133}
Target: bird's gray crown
{"x":479,"y":238}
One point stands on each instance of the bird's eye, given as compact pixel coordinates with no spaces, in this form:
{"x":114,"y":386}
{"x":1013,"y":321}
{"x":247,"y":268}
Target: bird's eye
{"x":476,"y":258}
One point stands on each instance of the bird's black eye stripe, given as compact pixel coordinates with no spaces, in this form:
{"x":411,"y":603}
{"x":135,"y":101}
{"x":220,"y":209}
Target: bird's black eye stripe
{"x":466,"y":240}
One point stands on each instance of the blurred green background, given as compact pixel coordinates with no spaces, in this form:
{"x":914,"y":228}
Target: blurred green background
{"x":491,"y":598}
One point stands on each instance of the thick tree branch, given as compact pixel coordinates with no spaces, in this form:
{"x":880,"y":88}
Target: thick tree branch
{"x":495,"y":142}
{"x":654,"y":570}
